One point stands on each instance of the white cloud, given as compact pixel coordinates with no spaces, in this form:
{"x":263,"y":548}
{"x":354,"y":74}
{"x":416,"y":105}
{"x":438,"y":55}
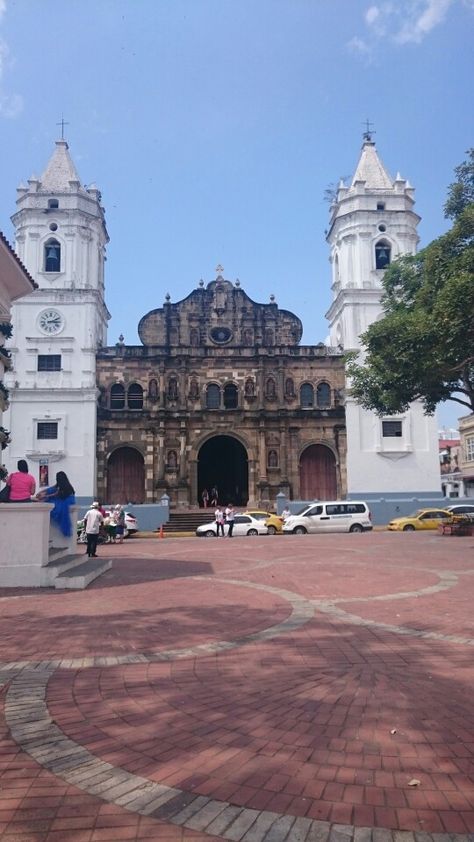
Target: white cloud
{"x":11,"y":105}
{"x":372,"y":14}
{"x":420,"y":21}
{"x":357,"y":45}
{"x":402,"y":22}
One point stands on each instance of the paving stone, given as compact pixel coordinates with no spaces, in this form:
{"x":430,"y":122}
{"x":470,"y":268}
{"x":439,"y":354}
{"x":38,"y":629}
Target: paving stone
{"x":257,"y":832}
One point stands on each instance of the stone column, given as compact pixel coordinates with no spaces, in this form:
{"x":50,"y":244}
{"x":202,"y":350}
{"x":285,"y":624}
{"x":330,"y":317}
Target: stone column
{"x":262,"y":455}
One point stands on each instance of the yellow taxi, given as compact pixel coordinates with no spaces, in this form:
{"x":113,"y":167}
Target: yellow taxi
{"x":273,"y":522}
{"x":421,"y":519}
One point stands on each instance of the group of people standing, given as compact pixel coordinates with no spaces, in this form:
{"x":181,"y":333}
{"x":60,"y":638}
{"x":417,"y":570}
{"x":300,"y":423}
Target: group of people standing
{"x":225,"y":516}
{"x":210,"y":499}
{"x":96,"y":518}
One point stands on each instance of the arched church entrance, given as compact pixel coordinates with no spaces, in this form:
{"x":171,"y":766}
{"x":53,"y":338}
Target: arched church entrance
{"x":318,"y":477}
{"x":223,"y":462}
{"x":125,"y":476}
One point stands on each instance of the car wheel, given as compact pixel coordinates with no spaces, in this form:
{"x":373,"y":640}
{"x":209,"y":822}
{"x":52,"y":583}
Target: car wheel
{"x":408,"y":528}
{"x":356,"y":527}
{"x":210,"y":534}
{"x":272,"y":530}
{"x":299,"y":530}
{"x":252,"y":532}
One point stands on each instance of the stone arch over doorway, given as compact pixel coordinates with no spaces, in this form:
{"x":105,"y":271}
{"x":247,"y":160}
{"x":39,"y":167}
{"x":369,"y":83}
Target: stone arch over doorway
{"x":125,"y":476}
{"x":223,"y":462}
{"x":318,"y":473}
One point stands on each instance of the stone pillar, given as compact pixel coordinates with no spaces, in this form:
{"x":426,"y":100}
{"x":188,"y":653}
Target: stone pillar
{"x":262,"y":455}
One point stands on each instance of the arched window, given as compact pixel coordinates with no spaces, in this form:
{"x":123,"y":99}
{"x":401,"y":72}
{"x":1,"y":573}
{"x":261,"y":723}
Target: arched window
{"x":213,"y":396}
{"x":53,"y":203}
{"x":270,"y":388}
{"x":52,"y":256}
{"x":272,"y":460}
{"x":382,"y":254}
{"x":307,"y":396}
{"x":135,"y":396}
{"x":230,"y":396}
{"x":117,"y":396}
{"x":323,"y":395}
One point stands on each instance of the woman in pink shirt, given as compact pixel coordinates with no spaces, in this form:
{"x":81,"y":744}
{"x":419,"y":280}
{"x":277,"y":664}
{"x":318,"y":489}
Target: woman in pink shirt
{"x":22,"y":484}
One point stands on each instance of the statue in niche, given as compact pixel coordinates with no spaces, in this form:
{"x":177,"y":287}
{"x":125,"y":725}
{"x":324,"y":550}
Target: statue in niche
{"x":194,"y":337}
{"x":289,"y":388}
{"x":153,"y":391}
{"x":220,"y":299}
{"x":248,"y":337}
{"x":272,"y":459}
{"x":172,"y":389}
{"x":270,"y":389}
{"x":193,"y":389}
{"x":172,"y":460}
{"x":268,"y":336}
{"x":249,"y":388}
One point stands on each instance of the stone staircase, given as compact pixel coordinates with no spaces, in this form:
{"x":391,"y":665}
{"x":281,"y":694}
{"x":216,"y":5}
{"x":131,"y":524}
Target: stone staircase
{"x":188,"y":521}
{"x":71,"y":572}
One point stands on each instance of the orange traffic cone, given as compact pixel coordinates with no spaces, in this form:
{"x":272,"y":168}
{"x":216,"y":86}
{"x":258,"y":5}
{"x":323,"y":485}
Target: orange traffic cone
{"x":162,"y":532}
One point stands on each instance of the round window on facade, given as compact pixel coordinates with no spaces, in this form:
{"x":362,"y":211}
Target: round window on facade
{"x":53,"y":227}
{"x":221,"y":335}
{"x":382,"y":227}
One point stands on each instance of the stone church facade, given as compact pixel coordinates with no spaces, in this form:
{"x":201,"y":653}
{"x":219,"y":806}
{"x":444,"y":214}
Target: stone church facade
{"x":221,"y":394}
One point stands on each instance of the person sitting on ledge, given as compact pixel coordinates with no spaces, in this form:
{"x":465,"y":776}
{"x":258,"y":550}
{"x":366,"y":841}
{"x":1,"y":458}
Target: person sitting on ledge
{"x":22,"y":484}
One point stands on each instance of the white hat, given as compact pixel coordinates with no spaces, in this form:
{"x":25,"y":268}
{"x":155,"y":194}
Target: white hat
{"x":95,"y":505}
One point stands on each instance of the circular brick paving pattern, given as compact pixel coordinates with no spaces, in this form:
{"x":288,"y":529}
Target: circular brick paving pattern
{"x":299,"y":722}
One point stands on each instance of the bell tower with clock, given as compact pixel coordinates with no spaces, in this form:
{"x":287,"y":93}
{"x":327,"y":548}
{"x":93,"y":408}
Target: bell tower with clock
{"x":61,"y":238}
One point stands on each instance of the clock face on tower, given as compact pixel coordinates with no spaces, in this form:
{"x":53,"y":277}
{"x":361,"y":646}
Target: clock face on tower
{"x":50,"y":321}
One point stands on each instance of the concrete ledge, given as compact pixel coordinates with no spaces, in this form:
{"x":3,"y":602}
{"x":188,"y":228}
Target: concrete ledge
{"x":26,"y":537}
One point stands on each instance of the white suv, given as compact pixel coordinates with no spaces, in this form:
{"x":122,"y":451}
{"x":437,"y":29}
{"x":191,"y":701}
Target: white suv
{"x":462,"y":509}
{"x":335,"y":516}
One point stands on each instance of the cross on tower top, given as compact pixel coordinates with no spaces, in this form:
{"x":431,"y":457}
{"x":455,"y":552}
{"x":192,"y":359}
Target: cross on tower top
{"x":367,"y":135}
{"x":62,"y":123}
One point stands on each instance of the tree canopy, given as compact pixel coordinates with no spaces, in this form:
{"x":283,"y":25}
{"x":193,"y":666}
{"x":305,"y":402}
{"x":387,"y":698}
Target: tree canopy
{"x":423,"y":346}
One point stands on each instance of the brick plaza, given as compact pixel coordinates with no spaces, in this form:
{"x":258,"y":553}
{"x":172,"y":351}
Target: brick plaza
{"x":260,"y":689}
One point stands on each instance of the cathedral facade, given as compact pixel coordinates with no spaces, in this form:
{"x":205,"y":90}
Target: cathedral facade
{"x":220,"y":394}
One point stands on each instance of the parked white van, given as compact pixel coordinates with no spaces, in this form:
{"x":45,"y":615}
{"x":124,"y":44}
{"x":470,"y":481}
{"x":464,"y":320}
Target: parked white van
{"x":335,"y":516}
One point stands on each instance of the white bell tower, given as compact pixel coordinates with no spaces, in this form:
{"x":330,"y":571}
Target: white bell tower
{"x":61,"y":238}
{"x":372,"y":223}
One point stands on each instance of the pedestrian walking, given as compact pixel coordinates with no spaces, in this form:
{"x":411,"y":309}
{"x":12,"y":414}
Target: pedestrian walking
{"x":205,"y":497}
{"x":92,"y":522}
{"x":214,"y":496}
{"x":229,"y":518}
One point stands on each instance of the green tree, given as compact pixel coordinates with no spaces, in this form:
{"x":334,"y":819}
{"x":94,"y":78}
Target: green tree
{"x":423,"y":346}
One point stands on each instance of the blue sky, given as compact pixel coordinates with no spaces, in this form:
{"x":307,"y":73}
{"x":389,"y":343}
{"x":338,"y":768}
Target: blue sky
{"x":213,"y":127}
